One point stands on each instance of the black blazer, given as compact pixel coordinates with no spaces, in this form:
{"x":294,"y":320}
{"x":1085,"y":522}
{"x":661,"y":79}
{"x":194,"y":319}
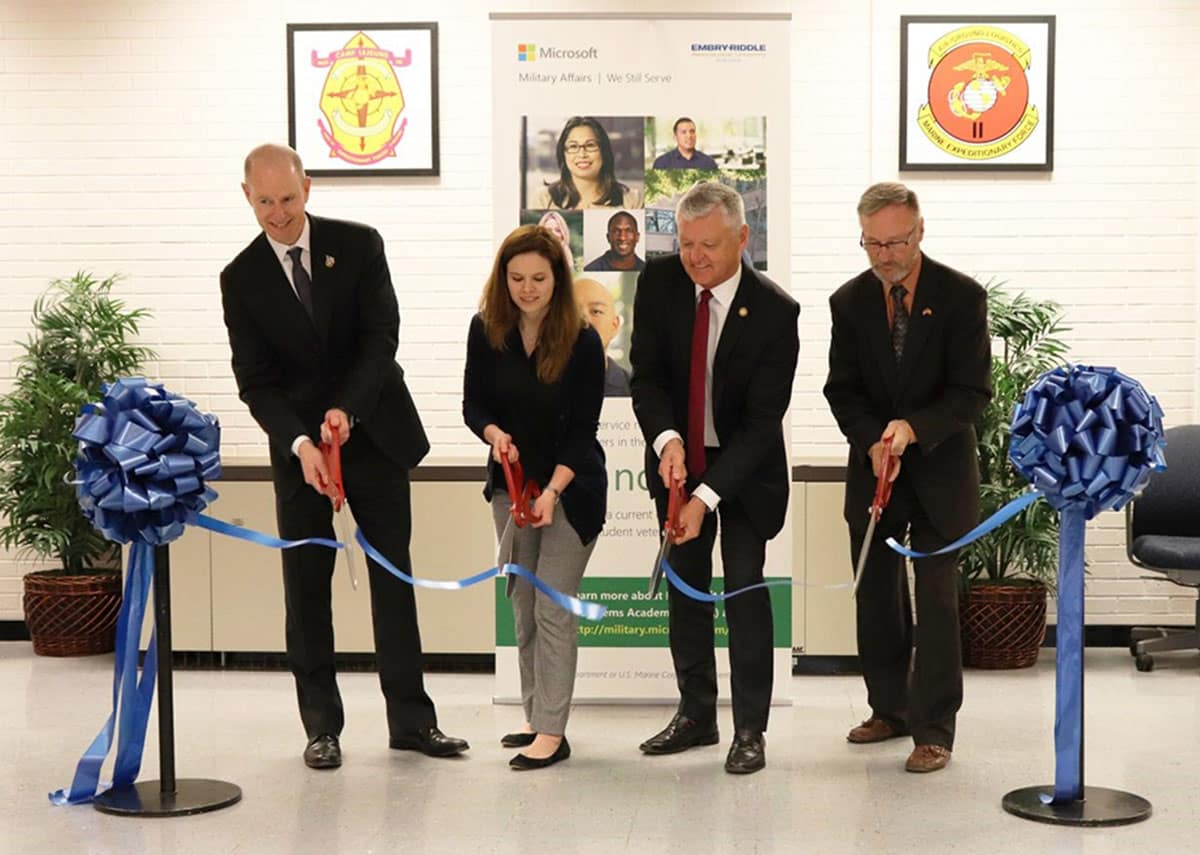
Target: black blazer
{"x":549,"y":423}
{"x":753,"y":370}
{"x":941,"y":387}
{"x":290,"y":369}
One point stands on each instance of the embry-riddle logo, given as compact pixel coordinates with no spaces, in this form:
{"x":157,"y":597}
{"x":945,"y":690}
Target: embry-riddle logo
{"x":526,"y":53}
{"x":978,"y":105}
{"x":361,"y":101}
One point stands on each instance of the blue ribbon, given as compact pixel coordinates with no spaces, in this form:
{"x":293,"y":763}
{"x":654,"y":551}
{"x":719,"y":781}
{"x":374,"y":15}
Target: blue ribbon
{"x":1068,"y":663}
{"x":708,"y":597}
{"x":131,"y":697}
{"x":229,"y":529}
{"x":144,"y":455}
{"x":1087,"y":437}
{"x":580,"y":608}
{"x":989,"y":525}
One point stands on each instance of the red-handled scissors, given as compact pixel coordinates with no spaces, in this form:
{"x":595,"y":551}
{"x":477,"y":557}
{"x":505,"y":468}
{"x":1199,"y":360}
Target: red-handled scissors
{"x":883,"y":492}
{"x":341,"y":509}
{"x":671,"y":531}
{"x":522,"y":493}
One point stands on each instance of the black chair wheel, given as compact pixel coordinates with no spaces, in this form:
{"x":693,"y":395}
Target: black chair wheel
{"x":1144,"y":662}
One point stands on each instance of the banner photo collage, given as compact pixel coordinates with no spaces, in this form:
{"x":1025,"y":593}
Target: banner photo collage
{"x":603,"y":147}
{"x":641,"y":165}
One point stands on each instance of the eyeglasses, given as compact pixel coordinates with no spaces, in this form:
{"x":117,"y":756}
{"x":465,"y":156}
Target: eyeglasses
{"x":589,"y":147}
{"x":879,"y":246}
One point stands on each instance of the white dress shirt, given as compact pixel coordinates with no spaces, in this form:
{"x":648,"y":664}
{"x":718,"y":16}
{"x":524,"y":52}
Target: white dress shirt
{"x":718,"y":310}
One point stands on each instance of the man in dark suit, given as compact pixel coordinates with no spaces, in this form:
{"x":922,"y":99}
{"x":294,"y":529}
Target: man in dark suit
{"x":714,"y":352}
{"x":313,"y":327}
{"x":909,"y":359}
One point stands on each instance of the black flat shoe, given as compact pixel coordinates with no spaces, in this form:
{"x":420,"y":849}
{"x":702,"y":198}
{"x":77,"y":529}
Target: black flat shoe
{"x":323,"y":752}
{"x":521,"y":763}
{"x":747,"y":754}
{"x":517,"y":740}
{"x":429,"y":741}
{"x":680,"y":735}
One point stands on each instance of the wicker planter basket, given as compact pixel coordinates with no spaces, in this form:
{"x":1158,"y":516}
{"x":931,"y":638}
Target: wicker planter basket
{"x":72,"y":615}
{"x":1003,"y":625}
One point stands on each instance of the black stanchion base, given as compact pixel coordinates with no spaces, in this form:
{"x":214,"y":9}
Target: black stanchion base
{"x":192,"y":795}
{"x":1099,"y":806}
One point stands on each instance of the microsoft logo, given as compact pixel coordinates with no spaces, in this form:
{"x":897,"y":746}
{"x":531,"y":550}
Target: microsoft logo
{"x":526,"y":53}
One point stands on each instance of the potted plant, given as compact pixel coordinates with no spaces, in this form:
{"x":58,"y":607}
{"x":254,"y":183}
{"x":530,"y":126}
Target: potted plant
{"x":1006,"y":574}
{"x":80,"y":338}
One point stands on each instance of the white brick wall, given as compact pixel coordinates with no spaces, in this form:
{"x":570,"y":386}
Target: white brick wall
{"x":124,"y":124}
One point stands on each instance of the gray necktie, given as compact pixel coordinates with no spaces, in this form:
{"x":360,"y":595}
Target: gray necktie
{"x":899,"y":321}
{"x":301,"y":281}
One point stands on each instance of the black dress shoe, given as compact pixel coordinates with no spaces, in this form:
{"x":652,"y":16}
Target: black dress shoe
{"x":430,"y":741}
{"x":680,"y":735}
{"x":323,"y":752}
{"x":747,"y":754}
{"x":517,"y":740}
{"x":521,"y":763}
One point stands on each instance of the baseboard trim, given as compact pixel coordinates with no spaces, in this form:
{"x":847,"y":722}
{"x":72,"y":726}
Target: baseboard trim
{"x":13,"y":630}
{"x":435,"y":663}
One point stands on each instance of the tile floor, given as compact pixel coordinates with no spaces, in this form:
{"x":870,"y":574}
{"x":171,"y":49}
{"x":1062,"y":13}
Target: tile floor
{"x":818,"y":794}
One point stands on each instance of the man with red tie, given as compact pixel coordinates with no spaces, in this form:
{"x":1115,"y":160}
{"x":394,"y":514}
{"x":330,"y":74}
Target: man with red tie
{"x":714,"y":351}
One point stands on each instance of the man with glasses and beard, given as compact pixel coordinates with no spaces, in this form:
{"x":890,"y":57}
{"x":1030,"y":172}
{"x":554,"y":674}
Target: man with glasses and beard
{"x":909,"y":361}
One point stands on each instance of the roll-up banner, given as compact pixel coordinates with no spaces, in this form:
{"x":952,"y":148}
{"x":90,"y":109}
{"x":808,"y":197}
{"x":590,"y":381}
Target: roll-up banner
{"x":657,"y":104}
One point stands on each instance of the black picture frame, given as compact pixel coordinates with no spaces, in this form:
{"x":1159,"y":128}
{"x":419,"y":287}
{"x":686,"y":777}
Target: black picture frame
{"x":320,"y":128}
{"x":932,"y":135}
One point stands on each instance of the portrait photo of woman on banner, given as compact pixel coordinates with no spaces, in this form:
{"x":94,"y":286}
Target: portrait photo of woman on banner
{"x":584,"y":162}
{"x":567,"y":226}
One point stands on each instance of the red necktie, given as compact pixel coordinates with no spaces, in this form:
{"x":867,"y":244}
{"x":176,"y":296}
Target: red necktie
{"x":699,"y":367}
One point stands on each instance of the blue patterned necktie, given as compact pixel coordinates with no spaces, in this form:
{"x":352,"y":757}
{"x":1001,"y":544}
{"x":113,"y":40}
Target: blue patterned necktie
{"x":301,"y":280}
{"x":899,"y":321}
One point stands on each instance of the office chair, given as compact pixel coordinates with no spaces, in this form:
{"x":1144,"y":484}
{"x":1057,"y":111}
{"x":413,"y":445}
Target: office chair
{"x":1162,"y":533}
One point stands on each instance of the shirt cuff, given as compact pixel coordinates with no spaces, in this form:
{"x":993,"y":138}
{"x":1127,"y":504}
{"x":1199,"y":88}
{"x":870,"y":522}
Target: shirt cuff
{"x":663,"y":438}
{"x":706,"y":494}
{"x":296,"y":444}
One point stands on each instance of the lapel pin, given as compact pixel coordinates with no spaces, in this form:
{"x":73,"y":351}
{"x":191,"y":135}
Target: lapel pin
{"x":927,"y":312}
{"x":743,"y":311}
{"x":329,"y":261}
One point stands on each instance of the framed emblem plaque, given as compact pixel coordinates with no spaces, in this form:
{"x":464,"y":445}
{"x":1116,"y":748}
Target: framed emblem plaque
{"x":363,"y":98}
{"x":977,"y":92}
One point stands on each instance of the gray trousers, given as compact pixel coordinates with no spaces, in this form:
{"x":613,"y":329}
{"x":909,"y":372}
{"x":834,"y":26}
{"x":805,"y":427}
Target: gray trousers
{"x":547,"y":636}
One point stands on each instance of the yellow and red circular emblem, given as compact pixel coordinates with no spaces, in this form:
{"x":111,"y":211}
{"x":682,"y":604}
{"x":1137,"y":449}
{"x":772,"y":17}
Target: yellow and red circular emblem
{"x":979,"y":102}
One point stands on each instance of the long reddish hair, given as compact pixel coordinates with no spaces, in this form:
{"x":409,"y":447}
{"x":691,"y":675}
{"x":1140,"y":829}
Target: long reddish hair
{"x":560,"y":328}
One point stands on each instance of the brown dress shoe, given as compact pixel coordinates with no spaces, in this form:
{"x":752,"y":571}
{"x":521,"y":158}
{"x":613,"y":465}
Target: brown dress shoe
{"x":927,"y":758}
{"x":874,"y":730}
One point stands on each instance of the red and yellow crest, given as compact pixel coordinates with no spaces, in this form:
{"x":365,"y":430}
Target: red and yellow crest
{"x":978,"y":107}
{"x":361,"y":101}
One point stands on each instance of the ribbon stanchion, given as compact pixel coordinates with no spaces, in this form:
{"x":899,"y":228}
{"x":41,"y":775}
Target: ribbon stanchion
{"x":143,"y":459}
{"x":1087,"y":439}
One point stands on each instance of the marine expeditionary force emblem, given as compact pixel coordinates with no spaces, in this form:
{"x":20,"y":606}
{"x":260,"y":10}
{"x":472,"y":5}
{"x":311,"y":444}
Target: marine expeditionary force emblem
{"x":361,"y":101}
{"x":978,"y":98}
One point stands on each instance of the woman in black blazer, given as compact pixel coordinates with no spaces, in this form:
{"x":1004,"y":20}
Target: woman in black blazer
{"x":532,"y":390}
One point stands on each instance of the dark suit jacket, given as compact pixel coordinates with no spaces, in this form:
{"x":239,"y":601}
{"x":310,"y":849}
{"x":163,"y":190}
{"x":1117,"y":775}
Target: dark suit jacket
{"x":290,"y":369}
{"x":752,"y":383}
{"x":941,"y":386}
